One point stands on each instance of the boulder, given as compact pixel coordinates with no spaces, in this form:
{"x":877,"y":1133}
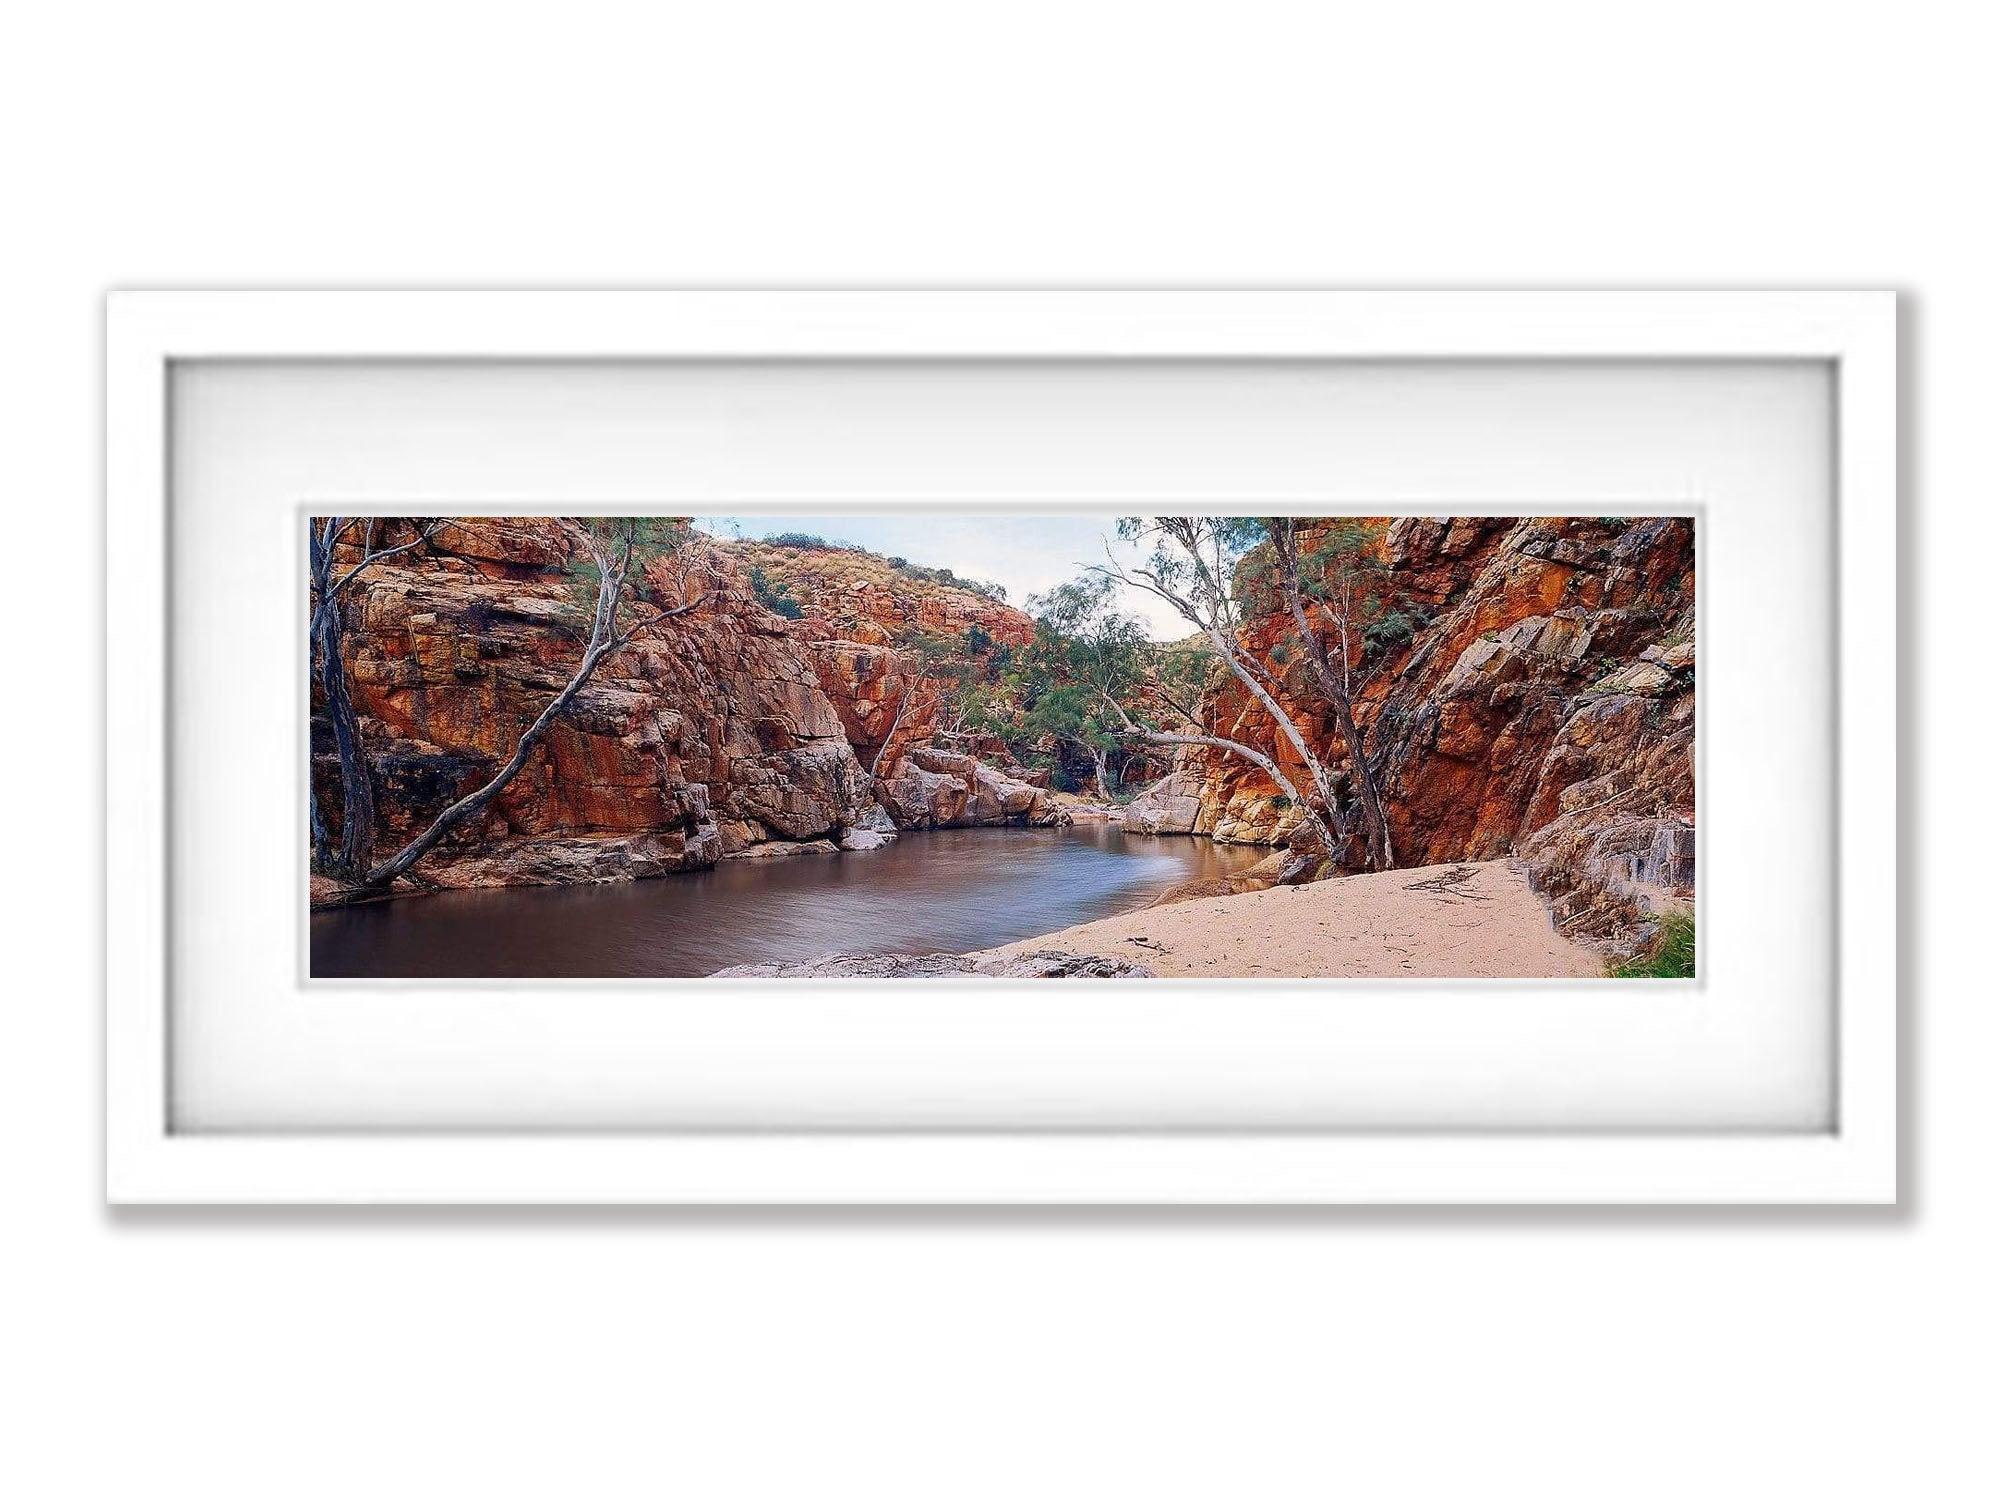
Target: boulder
{"x":916,"y":798}
{"x":1170,"y":805}
{"x":874,"y":818}
{"x":941,"y":789}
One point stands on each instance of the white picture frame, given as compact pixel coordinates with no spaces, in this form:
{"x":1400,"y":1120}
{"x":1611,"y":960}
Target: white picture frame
{"x":1851,"y":1160}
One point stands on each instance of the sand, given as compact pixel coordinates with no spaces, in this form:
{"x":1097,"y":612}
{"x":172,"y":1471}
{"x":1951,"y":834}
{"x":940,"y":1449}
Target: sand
{"x":1441,"y":922}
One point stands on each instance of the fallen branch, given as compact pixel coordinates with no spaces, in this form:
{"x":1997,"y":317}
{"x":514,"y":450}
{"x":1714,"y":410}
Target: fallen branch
{"x":1450,"y":883}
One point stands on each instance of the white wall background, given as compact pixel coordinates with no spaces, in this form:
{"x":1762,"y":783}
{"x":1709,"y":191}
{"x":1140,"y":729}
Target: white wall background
{"x":984,"y":1354}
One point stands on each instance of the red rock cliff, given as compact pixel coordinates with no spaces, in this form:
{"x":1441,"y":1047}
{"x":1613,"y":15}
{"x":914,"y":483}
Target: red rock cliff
{"x":1543,"y":706}
{"x":859,"y":618}
{"x":724,"y":729}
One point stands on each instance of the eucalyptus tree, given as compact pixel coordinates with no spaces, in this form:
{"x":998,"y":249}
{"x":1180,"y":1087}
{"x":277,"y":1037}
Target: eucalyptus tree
{"x":1336,"y":575}
{"x":1192,"y":563}
{"x":1085,"y":656}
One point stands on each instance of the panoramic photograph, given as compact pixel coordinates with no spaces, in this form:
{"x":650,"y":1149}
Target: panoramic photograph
{"x":962,"y":745}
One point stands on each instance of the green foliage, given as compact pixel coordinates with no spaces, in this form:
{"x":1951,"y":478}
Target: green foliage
{"x":1194,"y":557}
{"x":940,"y":658}
{"x":646,"y":538}
{"x":649,"y":535}
{"x":1069,"y":712}
{"x":1671,"y":955}
{"x":1396,"y":628}
{"x":1181,"y":672}
{"x":929,"y":646}
{"x":948,"y":579}
{"x":1338,"y":568}
{"x":991,"y":707}
{"x":806,"y":541}
{"x":776,"y":597}
{"x":978,"y":641}
{"x":1056,"y":686}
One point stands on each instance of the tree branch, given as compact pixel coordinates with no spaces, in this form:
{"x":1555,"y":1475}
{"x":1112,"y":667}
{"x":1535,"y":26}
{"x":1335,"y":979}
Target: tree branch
{"x":605,"y":639}
{"x":371,"y":557}
{"x":1284,"y":544}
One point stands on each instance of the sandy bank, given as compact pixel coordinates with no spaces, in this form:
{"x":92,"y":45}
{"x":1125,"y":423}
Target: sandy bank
{"x":1446,"y":921}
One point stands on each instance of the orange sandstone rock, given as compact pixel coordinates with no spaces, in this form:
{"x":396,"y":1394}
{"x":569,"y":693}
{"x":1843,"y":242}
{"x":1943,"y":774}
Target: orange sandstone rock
{"x":1550,"y":681}
{"x":721,"y":731}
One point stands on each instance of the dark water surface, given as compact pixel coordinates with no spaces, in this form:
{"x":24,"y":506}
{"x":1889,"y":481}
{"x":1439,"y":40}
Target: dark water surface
{"x":948,"y":891}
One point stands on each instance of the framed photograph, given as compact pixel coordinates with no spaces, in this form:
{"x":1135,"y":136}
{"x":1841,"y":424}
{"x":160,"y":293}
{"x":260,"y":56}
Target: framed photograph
{"x":1001,"y":747}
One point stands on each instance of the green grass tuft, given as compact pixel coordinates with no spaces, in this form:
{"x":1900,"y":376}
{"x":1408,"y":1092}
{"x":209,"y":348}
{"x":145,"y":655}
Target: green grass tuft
{"x":1671,"y":955}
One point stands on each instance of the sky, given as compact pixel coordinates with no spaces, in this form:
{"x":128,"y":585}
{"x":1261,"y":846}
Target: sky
{"x":1024,"y":554}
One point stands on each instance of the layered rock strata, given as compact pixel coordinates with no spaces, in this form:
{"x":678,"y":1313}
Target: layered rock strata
{"x":712,"y":735}
{"x":860,"y":617}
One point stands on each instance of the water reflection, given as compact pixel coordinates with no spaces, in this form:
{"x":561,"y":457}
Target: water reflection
{"x":943,"y":892}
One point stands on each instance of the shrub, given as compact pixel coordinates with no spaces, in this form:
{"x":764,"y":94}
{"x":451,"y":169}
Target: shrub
{"x":948,"y":579}
{"x":1393,"y":629}
{"x":776,"y":597}
{"x":1671,"y":955}
{"x":806,"y":541}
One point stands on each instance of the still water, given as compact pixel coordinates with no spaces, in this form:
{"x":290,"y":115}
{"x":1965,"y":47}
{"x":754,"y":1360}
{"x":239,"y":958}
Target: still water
{"x":948,"y":891}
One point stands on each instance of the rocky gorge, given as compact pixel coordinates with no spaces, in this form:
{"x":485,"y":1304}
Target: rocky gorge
{"x":1524,"y":690}
{"x":729,"y":731}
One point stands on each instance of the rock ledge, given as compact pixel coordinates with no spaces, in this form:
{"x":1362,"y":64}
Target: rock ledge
{"x":1043,"y":963}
